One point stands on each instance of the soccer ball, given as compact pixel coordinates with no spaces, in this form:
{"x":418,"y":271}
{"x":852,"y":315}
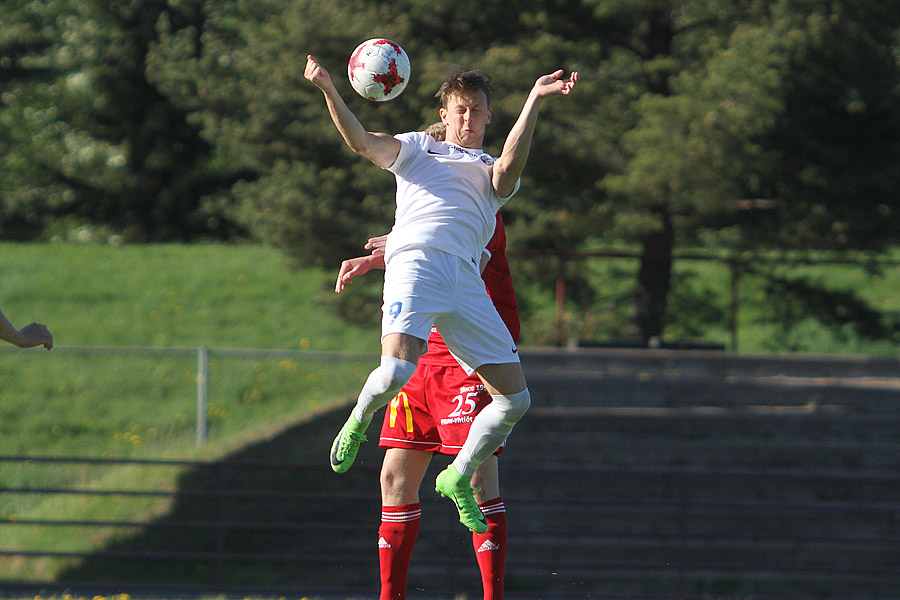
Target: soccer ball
{"x":378,"y":69}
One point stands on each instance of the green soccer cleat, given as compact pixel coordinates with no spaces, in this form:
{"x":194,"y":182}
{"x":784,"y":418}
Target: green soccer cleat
{"x":346,"y":444}
{"x":450,"y":484}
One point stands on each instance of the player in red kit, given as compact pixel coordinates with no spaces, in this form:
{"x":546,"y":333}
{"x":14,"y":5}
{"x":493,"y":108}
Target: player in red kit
{"x":432,"y":414}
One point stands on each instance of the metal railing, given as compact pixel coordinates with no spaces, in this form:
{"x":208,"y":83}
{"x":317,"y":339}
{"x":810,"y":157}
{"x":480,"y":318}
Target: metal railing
{"x":204,"y":354}
{"x":739,"y":265}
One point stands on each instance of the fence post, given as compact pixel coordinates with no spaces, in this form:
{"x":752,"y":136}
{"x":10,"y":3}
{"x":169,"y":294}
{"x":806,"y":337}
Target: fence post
{"x":735,"y":302}
{"x":560,"y":299}
{"x":202,"y":392}
{"x":221,"y":530}
{"x":683,"y":507}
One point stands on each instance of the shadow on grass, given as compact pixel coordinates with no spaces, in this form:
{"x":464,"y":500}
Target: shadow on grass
{"x":286,"y":522}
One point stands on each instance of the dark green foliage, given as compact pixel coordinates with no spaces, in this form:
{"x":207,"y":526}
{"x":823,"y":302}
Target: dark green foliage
{"x":91,"y":136}
{"x":186,"y":119}
{"x":794,"y":300}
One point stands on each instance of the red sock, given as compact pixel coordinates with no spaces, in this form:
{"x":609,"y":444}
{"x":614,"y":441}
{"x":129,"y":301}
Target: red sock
{"x":396,"y":537}
{"x":490,"y":549}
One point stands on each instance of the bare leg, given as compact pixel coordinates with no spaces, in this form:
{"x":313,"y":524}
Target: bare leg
{"x":402,"y":472}
{"x":501,"y":379}
{"x":487,"y":480}
{"x":403,"y":346}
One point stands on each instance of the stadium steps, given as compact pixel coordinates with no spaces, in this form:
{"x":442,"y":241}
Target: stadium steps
{"x":710,"y":409}
{"x":599,"y":414}
{"x":707,"y":442}
{"x":688,"y":363}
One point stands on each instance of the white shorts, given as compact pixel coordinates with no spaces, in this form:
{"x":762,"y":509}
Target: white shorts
{"x":425,"y":286}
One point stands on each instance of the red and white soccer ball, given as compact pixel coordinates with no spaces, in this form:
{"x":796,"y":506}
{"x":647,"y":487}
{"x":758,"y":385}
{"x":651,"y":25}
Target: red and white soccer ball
{"x":378,"y":69}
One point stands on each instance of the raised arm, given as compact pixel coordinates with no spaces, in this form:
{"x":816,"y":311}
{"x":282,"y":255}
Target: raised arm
{"x":380,"y":148}
{"x":509,"y":166}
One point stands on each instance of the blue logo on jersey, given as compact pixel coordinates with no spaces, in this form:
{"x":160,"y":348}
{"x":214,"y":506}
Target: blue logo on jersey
{"x":394,"y":310}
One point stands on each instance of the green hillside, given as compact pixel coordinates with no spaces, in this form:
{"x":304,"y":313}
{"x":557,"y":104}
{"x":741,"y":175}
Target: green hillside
{"x":166,"y":297}
{"x":69,"y":403}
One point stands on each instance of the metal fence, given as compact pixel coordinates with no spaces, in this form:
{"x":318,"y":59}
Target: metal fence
{"x":739,"y":266}
{"x":257,"y":527}
{"x":203,"y":355}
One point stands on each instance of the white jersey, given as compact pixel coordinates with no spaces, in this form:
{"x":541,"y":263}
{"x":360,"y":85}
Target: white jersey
{"x":445,"y":198}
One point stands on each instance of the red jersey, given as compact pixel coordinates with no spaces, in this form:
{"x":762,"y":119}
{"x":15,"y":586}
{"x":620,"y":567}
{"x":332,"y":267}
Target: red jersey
{"x":498,"y":281}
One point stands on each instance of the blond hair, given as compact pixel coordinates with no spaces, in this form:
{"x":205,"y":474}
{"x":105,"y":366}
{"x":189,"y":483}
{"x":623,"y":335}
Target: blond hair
{"x":437,"y":130}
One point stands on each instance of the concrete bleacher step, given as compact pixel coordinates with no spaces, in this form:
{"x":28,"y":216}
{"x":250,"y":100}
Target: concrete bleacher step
{"x":666,"y":581}
{"x":598,"y":551}
{"x":587,"y":388}
{"x":715,"y":441}
{"x":708,"y":424}
{"x":717,"y":454}
{"x":710,"y":409}
{"x":670,"y":379}
{"x":695,"y":363}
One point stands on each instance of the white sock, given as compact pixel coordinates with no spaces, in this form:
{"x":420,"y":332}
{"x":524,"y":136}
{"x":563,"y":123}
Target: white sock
{"x":381,"y":386}
{"x":490,"y":429}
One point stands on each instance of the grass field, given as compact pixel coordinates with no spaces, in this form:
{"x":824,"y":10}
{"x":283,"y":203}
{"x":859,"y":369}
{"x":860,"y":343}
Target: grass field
{"x":163,"y":296}
{"x":61,"y":403}
{"x":173,"y":295}
{"x":247,"y":296}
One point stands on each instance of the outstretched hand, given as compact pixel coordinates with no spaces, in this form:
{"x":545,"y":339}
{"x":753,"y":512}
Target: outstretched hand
{"x":316,"y":73}
{"x":353,"y":267}
{"x":349,"y":269}
{"x":35,"y":334}
{"x":553,"y":84}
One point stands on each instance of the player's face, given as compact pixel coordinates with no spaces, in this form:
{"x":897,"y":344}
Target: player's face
{"x":465,"y":116}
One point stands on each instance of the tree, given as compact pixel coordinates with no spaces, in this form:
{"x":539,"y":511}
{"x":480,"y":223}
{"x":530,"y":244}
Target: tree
{"x":93,"y":137}
{"x":743,"y":99}
{"x":239,"y":77}
{"x":25,"y":40}
{"x":686,"y":109}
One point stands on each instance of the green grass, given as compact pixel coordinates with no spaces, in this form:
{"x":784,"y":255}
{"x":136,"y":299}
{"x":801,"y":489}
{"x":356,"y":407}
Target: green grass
{"x":770,"y":318}
{"x":164,"y":296}
{"x":171,"y":295}
{"x":68,"y":404}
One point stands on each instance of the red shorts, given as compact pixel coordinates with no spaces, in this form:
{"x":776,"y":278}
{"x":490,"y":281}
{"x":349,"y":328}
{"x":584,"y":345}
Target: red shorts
{"x":434,"y":410}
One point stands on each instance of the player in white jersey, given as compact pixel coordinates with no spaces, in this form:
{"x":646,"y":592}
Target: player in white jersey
{"x":448,"y":194}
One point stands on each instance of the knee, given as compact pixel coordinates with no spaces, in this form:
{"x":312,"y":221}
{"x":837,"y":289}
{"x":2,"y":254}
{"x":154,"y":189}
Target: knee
{"x":398,"y":488}
{"x":391,"y":484}
{"x":520,"y":403}
{"x":513,"y":406}
{"x":395,"y":372}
